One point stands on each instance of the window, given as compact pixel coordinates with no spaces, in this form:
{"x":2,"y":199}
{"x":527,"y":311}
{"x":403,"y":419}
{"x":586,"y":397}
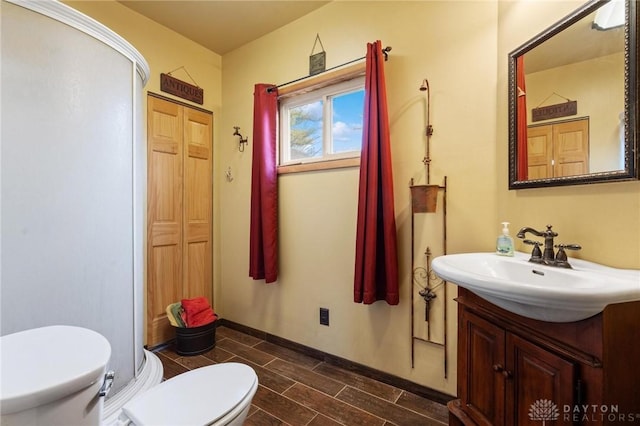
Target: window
{"x":325,"y":124}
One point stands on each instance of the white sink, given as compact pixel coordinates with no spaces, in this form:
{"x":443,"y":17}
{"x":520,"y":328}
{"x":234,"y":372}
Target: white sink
{"x":540,"y":292}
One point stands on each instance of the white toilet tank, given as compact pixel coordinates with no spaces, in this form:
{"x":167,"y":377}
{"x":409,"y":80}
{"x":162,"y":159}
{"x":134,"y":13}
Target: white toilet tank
{"x":52,"y":376}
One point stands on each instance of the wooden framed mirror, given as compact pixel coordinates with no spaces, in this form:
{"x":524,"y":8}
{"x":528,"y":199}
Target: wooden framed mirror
{"x":573,"y":100}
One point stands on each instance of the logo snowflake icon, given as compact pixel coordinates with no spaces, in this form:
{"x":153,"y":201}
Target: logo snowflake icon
{"x":543,"y":410}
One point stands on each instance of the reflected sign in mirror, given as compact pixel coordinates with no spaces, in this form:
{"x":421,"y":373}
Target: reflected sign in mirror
{"x":573,"y":100}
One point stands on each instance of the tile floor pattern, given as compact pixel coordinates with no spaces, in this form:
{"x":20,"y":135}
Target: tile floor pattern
{"x":295,"y":389}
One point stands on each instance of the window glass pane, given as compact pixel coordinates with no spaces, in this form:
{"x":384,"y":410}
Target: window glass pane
{"x":346,"y":123}
{"x":305,"y":130}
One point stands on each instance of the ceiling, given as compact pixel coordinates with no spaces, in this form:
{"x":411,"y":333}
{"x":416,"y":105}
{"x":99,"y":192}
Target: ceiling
{"x":576,"y":43}
{"x":223,"y":25}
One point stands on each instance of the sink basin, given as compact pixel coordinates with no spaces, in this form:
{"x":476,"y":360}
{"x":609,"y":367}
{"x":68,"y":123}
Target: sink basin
{"x":540,"y":292}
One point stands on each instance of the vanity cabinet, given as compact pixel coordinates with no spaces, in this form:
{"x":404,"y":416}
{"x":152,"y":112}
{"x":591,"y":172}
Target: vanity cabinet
{"x":514,"y":371}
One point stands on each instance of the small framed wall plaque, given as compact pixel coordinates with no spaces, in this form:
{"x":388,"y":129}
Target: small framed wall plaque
{"x":317,"y":61}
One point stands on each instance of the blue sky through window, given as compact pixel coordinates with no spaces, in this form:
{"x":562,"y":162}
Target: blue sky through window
{"x":346,"y":123}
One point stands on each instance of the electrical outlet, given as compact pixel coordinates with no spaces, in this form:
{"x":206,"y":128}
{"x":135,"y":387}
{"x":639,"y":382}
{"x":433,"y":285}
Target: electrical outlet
{"x":324,"y":316}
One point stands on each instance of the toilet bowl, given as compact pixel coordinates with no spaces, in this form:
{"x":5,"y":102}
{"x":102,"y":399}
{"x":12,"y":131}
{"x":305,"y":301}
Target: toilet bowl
{"x":57,"y":376}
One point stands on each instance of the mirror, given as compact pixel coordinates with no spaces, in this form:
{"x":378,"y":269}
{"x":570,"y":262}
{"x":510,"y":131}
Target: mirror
{"x":573,"y":112}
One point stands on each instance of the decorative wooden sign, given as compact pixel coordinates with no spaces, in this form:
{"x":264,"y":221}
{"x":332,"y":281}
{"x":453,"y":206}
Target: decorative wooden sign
{"x":554,"y":111}
{"x":181,"y":89}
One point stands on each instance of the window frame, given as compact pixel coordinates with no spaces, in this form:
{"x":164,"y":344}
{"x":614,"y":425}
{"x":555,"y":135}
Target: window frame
{"x":353,"y":76}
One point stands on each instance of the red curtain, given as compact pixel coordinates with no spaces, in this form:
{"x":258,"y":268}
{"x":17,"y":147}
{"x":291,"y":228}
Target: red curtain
{"x":376,"y":267}
{"x":263,"y":244}
{"x":521,"y":119}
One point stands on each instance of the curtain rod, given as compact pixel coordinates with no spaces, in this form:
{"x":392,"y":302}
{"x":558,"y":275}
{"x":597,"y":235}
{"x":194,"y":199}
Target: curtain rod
{"x":385,"y":52}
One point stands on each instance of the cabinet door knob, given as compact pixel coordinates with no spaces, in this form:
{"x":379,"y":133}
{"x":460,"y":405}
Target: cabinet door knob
{"x":498,"y":368}
{"x":507,"y":374}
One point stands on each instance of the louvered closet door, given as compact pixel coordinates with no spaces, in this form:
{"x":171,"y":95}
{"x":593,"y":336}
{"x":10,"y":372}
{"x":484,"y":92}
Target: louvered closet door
{"x":180,"y":201}
{"x":164,"y":215}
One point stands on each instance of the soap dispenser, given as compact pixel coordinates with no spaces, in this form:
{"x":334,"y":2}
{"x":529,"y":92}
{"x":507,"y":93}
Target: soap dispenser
{"x":504,"y":245}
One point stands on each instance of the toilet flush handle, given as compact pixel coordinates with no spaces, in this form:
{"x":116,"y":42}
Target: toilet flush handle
{"x":108,"y":382}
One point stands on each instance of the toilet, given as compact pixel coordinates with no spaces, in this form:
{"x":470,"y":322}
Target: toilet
{"x":57,"y":375}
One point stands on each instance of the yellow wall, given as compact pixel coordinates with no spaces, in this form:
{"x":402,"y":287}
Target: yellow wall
{"x":603,"y":218}
{"x":461,"y":47}
{"x":453,"y":44}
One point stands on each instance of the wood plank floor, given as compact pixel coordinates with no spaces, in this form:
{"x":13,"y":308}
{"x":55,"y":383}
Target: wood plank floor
{"x":297,"y":390}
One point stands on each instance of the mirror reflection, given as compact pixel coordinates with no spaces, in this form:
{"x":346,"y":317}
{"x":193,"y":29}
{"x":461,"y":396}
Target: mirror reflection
{"x":567,"y":105}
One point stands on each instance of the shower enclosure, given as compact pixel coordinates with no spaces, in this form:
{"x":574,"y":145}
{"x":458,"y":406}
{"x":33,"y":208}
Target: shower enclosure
{"x":72,"y":179}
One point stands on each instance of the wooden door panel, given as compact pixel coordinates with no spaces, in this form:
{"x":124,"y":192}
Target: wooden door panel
{"x":558,"y":149}
{"x":571,"y":147}
{"x":198,"y":261}
{"x":539,"y":152}
{"x":164,"y":216}
{"x":164,"y":187}
{"x":199,"y":127}
{"x":198,"y":196}
{"x":197,"y":268}
{"x":180,"y":202}
{"x":197,"y":151}
{"x":483,"y":393}
{"x":167,"y":272}
{"x":198,"y":203}
{"x":570,"y":168}
{"x":198,"y":232}
{"x":537,"y":376}
{"x":165,"y":234}
{"x":168,"y":147}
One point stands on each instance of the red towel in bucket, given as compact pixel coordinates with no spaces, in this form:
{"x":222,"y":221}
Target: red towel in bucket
{"x":198,"y":311}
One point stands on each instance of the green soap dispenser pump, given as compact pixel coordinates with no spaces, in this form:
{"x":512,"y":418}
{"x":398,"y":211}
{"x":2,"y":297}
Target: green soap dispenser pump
{"x":504,"y":245}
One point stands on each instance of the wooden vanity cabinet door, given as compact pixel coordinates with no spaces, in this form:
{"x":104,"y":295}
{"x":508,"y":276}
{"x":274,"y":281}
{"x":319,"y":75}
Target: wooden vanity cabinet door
{"x":481,"y":362}
{"x":536,"y":375}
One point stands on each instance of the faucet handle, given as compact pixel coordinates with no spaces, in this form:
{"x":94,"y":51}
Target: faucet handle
{"x":561,"y":256}
{"x":536,"y":253}
{"x":568,"y":246}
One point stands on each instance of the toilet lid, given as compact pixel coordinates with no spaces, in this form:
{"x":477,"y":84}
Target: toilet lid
{"x":44,"y":364}
{"x":198,"y":397}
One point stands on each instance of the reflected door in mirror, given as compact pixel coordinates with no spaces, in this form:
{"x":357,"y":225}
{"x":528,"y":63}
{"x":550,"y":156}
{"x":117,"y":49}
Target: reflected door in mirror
{"x":558,"y":149}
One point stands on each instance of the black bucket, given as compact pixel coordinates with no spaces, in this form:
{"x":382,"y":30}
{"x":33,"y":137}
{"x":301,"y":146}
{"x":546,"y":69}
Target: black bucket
{"x":195,"y":340}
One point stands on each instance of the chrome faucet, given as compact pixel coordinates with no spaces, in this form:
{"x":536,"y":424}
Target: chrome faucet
{"x":547,"y":256}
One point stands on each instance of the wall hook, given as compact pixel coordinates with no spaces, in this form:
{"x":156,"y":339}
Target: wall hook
{"x":242,"y":141}
{"x":229,"y":175}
